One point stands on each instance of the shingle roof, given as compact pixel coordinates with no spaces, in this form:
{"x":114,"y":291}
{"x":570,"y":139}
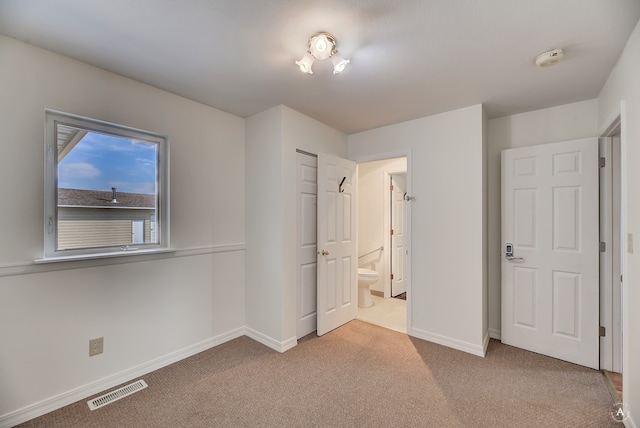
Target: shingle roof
{"x":100,"y":198}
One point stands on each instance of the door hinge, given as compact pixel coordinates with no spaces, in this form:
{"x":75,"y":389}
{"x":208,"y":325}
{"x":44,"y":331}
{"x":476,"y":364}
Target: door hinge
{"x":603,"y":247}
{"x":603,"y":331}
{"x":391,"y":232}
{"x":391,"y":276}
{"x":602,"y":162}
{"x":391,"y":187}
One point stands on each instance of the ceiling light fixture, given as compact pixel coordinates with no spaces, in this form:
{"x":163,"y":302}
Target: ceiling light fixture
{"x":549,"y":58}
{"x":322,"y":46}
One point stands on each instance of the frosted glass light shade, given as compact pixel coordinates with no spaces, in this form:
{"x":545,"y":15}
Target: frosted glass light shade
{"x":339,"y":63}
{"x":305,"y":63}
{"x":321,"y":46}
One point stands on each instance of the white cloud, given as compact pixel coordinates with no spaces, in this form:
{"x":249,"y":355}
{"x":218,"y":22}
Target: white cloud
{"x":77,"y":170}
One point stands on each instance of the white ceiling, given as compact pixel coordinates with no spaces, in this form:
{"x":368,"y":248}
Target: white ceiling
{"x":409,"y":58}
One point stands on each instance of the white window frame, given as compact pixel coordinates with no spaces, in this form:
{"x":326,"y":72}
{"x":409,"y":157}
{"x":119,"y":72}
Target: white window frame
{"x":51,"y":252}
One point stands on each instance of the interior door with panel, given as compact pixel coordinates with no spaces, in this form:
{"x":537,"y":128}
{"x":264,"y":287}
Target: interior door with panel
{"x":550,"y":254}
{"x":398,"y":234}
{"x":307,"y":172}
{"x":336,"y":243}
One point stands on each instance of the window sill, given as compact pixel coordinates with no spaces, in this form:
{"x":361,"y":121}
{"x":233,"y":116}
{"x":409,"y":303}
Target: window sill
{"x":98,"y":256}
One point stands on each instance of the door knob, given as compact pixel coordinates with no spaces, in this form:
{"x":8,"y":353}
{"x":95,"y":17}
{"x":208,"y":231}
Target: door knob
{"x":325,"y":253}
{"x":508,"y":252}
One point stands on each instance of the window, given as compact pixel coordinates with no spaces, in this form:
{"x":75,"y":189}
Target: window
{"x":106,"y":188}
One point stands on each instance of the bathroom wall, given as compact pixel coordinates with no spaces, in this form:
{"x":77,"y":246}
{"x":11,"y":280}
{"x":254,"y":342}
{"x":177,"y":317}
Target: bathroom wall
{"x":373,"y":192}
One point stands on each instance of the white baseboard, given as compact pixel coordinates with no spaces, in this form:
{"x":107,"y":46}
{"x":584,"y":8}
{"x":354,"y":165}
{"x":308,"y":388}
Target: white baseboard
{"x":38,"y":409}
{"x":270,"y":342}
{"x":479,"y":350}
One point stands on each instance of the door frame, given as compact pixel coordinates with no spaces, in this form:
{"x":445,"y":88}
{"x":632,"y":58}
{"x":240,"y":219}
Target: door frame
{"x":611,"y":233}
{"x":387,"y":283}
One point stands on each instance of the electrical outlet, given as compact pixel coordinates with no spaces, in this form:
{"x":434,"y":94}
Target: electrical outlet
{"x":96,"y":346}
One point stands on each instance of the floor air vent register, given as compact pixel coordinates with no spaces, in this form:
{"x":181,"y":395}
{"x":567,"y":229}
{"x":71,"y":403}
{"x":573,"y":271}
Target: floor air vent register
{"x":119,"y":393}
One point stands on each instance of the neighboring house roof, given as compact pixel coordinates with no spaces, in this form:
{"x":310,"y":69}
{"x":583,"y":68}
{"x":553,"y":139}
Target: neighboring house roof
{"x":103,"y":199}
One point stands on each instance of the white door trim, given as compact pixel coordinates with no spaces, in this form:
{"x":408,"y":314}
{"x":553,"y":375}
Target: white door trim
{"x":610,"y":260}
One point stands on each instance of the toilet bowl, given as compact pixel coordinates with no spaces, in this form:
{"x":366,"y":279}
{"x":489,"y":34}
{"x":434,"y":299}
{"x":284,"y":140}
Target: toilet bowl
{"x":366,"y":277}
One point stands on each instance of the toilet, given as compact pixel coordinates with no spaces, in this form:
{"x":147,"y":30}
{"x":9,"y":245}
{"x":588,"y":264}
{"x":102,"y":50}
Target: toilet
{"x":366,"y":277}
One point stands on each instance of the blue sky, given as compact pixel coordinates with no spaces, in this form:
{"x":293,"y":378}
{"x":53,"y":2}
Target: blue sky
{"x":100,"y":162}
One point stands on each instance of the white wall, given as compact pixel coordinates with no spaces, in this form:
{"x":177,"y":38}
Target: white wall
{"x":151,"y":310}
{"x":264,"y":195}
{"x":621,"y":95}
{"x":272,"y":138}
{"x":551,"y":125}
{"x":446,"y":175}
{"x":373,"y":209}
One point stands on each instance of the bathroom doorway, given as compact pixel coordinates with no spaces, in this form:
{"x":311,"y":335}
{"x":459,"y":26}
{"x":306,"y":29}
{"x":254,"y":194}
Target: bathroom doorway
{"x":383,"y":239}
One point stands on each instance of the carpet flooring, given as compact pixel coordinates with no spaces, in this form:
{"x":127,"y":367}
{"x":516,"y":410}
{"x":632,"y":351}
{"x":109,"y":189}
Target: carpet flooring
{"x":359,"y":375}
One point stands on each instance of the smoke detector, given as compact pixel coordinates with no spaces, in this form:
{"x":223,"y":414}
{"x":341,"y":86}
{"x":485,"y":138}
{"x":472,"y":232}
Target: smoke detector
{"x":549,"y":58}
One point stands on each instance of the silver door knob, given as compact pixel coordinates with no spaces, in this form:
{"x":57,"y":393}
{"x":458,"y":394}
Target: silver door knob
{"x":325,"y":253}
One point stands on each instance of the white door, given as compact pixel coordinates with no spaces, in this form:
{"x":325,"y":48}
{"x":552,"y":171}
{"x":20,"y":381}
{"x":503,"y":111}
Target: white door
{"x":550,"y":290}
{"x":137,"y":231}
{"x":307,"y":235}
{"x":336,"y":253}
{"x":398,"y":234}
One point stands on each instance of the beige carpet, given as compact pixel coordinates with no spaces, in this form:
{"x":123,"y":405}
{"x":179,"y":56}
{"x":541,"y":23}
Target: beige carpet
{"x":359,"y":375}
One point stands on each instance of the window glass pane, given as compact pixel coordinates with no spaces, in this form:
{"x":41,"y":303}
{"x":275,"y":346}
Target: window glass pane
{"x":106,"y":191}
